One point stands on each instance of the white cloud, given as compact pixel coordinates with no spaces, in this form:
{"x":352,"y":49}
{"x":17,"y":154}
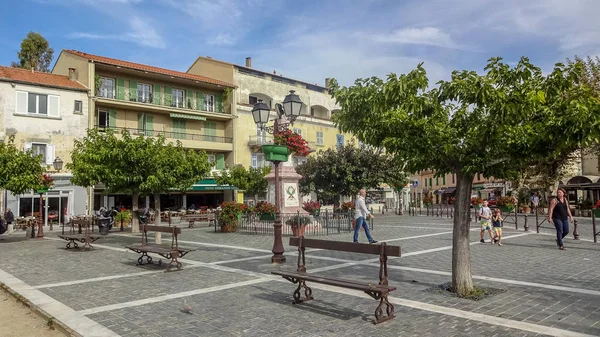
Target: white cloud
{"x":141,"y":33}
{"x":430,"y":36}
{"x":221,"y":39}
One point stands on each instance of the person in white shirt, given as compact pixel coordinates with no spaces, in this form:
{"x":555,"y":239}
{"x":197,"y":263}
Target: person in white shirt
{"x":361,"y":217}
{"x":486,"y":221}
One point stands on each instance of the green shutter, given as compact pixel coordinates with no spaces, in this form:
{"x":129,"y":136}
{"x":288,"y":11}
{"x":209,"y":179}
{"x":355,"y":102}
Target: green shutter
{"x":120,"y":88}
{"x":140,"y":123}
{"x":157,"y":95}
{"x":200,"y":100}
{"x":179,"y":128}
{"x":133,"y":93}
{"x":220,"y":161}
{"x":189,"y":99}
{"x":211,"y":131}
{"x":444,"y":180}
{"x":219,"y":99}
{"x":430,"y":182}
{"x":437,"y":181}
{"x":168,"y":96}
{"x":149,"y":126}
{"x":112,"y":118}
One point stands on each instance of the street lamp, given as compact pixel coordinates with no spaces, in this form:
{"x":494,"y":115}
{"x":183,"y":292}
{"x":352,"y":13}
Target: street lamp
{"x":58,"y":164}
{"x":291,"y":109}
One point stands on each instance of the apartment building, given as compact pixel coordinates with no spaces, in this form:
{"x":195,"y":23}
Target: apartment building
{"x":45,"y":113}
{"x":152,"y":101}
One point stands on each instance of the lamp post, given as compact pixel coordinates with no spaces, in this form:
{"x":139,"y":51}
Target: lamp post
{"x":58,"y":165}
{"x":291,"y":109}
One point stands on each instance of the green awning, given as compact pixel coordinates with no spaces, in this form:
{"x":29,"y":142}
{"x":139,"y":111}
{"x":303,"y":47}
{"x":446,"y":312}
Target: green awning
{"x":185,"y":116}
{"x":211,"y":185}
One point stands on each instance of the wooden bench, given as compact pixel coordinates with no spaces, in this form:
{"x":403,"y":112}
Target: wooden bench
{"x":173,"y":253}
{"x":83,"y":234}
{"x":378,"y":291}
{"x":205,"y":217}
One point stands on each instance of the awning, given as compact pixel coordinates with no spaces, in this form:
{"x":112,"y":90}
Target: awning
{"x":450,"y":190}
{"x":439,"y":192}
{"x":186,"y":116}
{"x":211,"y":185}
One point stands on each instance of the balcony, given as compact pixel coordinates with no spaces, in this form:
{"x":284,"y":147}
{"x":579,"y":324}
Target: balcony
{"x":150,"y":101}
{"x":188,"y":140}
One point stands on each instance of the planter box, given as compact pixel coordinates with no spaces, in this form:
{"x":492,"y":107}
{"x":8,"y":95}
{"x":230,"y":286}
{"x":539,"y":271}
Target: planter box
{"x":278,"y":153}
{"x":228,"y":228}
{"x":508,"y":209}
{"x":597,"y":212}
{"x":267,"y":217}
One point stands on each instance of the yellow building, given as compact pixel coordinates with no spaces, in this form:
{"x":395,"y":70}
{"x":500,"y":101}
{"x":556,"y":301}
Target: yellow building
{"x":154,"y":101}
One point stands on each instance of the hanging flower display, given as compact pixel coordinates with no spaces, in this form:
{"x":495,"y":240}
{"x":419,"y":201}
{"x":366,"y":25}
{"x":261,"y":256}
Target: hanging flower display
{"x":293,"y":141}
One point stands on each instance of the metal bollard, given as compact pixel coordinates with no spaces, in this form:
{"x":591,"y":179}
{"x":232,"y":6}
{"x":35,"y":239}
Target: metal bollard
{"x":575,"y":230}
{"x":526,"y":225}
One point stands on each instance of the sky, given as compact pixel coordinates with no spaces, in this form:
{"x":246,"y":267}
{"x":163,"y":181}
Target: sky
{"x":311,"y":40}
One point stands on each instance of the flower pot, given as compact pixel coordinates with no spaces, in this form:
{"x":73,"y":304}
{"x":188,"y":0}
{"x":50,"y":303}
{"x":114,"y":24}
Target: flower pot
{"x":296,"y":232}
{"x":278,"y":153}
{"x":525,"y":209}
{"x":597,"y":212}
{"x":507,"y":208}
{"x":228,"y":228}
{"x":267,"y":217}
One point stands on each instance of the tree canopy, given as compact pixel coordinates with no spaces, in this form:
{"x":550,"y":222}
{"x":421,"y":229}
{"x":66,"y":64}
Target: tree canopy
{"x":20,"y":171}
{"x":251,"y":180}
{"x":35,"y":53}
{"x":495,"y":123}
{"x":344,"y":170}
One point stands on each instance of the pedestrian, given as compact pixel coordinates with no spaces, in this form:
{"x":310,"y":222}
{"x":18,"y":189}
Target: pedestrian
{"x":361,"y":217}
{"x":9,"y":217}
{"x":497,"y":221}
{"x":535,"y":202}
{"x":560,"y":214}
{"x":485,"y":213}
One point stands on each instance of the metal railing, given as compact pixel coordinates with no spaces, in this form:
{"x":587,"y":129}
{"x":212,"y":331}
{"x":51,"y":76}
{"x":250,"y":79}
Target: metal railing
{"x":260,"y":140}
{"x":149,"y":98}
{"x":325,"y":223}
{"x":171,"y":134}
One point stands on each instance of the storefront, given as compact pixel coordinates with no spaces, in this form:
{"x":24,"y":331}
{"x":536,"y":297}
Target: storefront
{"x":56,"y":201}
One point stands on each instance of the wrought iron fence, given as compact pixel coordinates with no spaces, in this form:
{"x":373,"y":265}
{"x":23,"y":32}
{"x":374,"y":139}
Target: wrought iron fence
{"x":170,"y":134}
{"x":325,"y":223}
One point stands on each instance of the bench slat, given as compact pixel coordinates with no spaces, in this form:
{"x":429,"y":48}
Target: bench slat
{"x":162,"y":229}
{"x":337,"y":282}
{"x":364,"y":248}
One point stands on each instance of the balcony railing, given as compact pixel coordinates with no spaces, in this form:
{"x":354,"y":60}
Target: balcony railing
{"x":150,"y":98}
{"x":171,"y":134}
{"x":260,"y":140}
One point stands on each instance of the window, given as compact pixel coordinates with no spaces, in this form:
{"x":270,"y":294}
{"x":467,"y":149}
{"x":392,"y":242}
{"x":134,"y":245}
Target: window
{"x":103,"y":119}
{"x":210,"y":132}
{"x":320,"y":138}
{"x":312,"y":111}
{"x":42,"y":149}
{"x":78,"y":108}
{"x":299,"y":161}
{"x":298,"y":131}
{"x":339,"y":140}
{"x":361,"y":144}
{"x":430,"y":182}
{"x":252,"y":100}
{"x":144,"y":93}
{"x":212,"y":159}
{"x":209,"y":103}
{"x":37,"y":104}
{"x":444,"y":180}
{"x":178,"y":98}
{"x":261,"y":135}
{"x":258,"y":160}
{"x":179,"y":128}
{"x":478,"y":176}
{"x":437,"y":181}
{"x":425,"y":182}
{"x":453,"y":178}
{"x":107,"y":87}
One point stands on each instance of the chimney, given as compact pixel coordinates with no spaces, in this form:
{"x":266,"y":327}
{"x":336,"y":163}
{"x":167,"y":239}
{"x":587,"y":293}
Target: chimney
{"x":248,"y":62}
{"x":327,"y":82}
{"x":73,"y":74}
{"x":274,"y":72}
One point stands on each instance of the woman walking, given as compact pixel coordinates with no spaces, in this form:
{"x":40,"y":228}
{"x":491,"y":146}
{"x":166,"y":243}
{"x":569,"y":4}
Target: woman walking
{"x":560,"y":214}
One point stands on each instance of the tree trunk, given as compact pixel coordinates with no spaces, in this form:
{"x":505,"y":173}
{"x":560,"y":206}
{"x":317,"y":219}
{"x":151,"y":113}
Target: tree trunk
{"x":135,"y":222}
{"x":157,"y":235}
{"x":462,"y":281}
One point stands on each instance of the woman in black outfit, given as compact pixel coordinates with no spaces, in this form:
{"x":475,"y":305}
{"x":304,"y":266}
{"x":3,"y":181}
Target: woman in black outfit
{"x":560,"y":214}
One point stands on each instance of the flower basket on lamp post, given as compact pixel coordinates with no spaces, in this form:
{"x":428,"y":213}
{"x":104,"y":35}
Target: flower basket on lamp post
{"x":278,"y":153}
{"x":46,"y":182}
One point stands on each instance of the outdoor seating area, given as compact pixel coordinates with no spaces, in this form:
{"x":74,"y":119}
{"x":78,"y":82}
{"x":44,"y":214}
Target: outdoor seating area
{"x":80,"y":231}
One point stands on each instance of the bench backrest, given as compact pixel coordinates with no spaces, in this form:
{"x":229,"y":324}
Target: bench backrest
{"x":163,"y":229}
{"x":352,"y":247}
{"x":84,"y":223}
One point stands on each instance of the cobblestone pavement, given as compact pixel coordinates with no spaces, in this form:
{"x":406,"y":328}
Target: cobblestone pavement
{"x":228,"y":284}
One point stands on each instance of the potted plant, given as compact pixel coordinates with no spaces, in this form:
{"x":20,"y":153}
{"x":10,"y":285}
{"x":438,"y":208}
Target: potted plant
{"x":506,"y":204}
{"x":229,"y":216}
{"x":312,"y":207}
{"x":298,"y":222}
{"x":124,"y":217}
{"x":265,"y":210}
{"x":46,"y":183}
{"x":524,"y":200}
{"x":596,"y":209}
{"x":427,"y":200}
{"x":347,"y":206}
{"x":477,"y":202}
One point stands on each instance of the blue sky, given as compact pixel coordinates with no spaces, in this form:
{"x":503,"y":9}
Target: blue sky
{"x":311,"y":40}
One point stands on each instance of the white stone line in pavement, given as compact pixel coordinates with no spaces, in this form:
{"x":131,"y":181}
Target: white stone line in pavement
{"x":474,"y":316}
{"x":144,"y":301}
{"x":75,"y":321}
{"x":550,"y":234}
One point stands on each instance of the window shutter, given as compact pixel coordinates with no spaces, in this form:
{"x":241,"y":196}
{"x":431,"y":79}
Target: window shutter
{"x":120,"y":88}
{"x":49,"y":154}
{"x":140,"y":123}
{"x":444,"y":180}
{"x":220,"y":161}
{"x":53,"y":106}
{"x":189,"y":99}
{"x":150,"y":126}
{"x":211,"y":128}
{"x":133,"y":94}
{"x":112,"y":118}
{"x":219,"y":99}
{"x":168,"y":96}
{"x":157,"y":94}
{"x":21,"y":105}
{"x":200,"y":100}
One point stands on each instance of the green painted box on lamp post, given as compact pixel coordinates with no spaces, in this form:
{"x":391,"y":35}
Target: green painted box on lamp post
{"x":278,"y":153}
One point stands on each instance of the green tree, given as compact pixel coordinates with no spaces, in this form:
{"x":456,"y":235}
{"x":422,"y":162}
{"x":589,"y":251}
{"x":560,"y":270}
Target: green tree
{"x":135,"y":165}
{"x":251,"y":180}
{"x":35,"y":53}
{"x":493,"y":124}
{"x":19,"y":171}
{"x":344,"y":170}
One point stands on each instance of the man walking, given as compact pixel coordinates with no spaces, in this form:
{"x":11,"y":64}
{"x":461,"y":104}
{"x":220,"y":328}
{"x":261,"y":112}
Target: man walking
{"x":361,"y":217}
{"x":535,"y":202}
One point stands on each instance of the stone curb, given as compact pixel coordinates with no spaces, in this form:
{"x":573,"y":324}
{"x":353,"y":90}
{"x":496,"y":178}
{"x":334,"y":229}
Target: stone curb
{"x":60,"y":326}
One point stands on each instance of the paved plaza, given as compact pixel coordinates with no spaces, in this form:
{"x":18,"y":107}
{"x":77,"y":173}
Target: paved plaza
{"x":227,"y":282}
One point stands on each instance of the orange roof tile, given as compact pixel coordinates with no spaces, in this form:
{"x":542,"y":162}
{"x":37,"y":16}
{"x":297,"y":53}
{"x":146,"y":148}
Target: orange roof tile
{"x":144,"y":67}
{"x":48,"y":79}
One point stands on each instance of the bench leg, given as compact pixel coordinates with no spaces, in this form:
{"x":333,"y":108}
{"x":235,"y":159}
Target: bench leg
{"x":174,"y":262}
{"x":87,"y":245}
{"x":307,"y":292}
{"x":389,"y":308}
{"x":72,"y":245}
{"x":191,"y":225}
{"x":141,"y":258}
